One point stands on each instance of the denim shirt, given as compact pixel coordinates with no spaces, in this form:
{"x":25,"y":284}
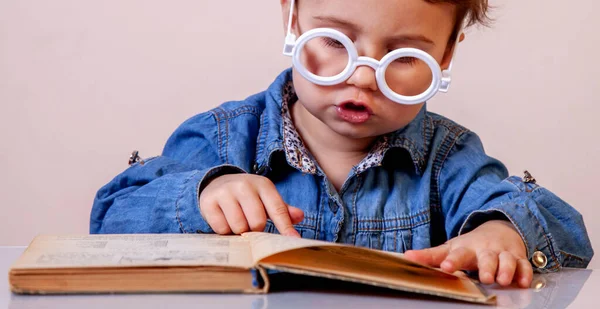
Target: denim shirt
{"x":434,"y":182}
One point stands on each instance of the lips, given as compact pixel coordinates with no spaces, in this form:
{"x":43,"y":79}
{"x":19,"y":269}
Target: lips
{"x":354,"y":112}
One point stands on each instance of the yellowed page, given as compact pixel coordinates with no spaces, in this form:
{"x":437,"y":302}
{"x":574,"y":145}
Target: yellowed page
{"x":266,"y":244}
{"x":372,"y":267}
{"x":135,"y":250}
{"x":350,"y":263}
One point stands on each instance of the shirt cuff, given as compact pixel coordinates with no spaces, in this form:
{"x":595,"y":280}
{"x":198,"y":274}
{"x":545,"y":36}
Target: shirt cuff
{"x":539,"y":245}
{"x":217,"y":171}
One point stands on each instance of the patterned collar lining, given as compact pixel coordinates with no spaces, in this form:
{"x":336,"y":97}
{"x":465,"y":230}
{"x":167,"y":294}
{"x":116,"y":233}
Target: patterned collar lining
{"x":296,"y":153}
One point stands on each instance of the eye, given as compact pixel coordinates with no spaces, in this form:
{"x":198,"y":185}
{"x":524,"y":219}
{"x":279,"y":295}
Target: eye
{"x":406,"y":60}
{"x":329,"y":42}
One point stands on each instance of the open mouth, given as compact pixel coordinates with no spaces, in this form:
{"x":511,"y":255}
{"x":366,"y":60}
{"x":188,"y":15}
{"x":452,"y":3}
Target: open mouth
{"x":354,"y":112}
{"x":355,"y":107}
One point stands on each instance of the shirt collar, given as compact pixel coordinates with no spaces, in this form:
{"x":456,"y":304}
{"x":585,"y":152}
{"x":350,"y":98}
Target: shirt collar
{"x":415,"y":137}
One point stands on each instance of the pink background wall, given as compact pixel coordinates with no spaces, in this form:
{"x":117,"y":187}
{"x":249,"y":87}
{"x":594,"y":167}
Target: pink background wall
{"x":82,"y":83}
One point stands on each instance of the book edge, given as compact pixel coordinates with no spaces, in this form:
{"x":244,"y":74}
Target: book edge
{"x":485,"y":299}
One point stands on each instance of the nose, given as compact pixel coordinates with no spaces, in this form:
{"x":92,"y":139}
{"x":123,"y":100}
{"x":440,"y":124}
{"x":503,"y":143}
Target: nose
{"x":364,"y":75}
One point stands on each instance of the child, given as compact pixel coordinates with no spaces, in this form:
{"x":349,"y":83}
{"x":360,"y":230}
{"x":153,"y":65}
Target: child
{"x":341,"y":148}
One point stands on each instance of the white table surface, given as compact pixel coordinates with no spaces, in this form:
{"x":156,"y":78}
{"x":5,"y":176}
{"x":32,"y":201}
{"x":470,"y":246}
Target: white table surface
{"x":570,"y":288}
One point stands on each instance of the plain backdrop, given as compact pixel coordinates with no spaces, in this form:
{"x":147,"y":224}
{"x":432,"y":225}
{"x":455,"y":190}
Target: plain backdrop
{"x":83,"y":83}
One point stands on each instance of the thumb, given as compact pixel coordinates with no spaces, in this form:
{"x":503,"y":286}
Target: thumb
{"x":431,"y":256}
{"x":296,"y":214}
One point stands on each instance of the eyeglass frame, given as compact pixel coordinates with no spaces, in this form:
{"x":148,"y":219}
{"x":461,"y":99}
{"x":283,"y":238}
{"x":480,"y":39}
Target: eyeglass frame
{"x":441,"y":79}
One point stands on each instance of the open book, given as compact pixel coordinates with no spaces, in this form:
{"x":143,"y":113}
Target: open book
{"x":212,"y":263}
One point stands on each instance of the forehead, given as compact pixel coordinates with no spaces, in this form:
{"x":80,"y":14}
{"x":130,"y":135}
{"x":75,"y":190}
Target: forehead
{"x":384,"y":16}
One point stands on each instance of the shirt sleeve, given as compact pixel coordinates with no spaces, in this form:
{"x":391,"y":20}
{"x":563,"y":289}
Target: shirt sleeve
{"x":475,"y":188}
{"x":161,"y":195}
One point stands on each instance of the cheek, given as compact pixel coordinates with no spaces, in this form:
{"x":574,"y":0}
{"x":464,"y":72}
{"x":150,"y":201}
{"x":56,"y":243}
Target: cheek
{"x":308,"y":92}
{"x":410,"y":79}
{"x":400,"y":115}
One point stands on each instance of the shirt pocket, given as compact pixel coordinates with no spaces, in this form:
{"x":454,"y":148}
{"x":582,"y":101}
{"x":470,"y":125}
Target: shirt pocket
{"x":307,"y":228}
{"x":383,"y":235}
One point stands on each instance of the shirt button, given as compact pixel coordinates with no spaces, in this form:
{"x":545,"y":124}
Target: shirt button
{"x":259,"y":170}
{"x":539,"y":259}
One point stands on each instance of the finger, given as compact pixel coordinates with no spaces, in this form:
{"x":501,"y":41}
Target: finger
{"x":253,"y":209}
{"x":234,"y":214}
{"x":506,"y":268}
{"x":524,"y":273}
{"x":296,"y":214}
{"x":487,"y":263}
{"x":461,"y":274}
{"x":214,"y":216}
{"x":459,"y":259}
{"x":431,"y":256}
{"x":277,"y":210}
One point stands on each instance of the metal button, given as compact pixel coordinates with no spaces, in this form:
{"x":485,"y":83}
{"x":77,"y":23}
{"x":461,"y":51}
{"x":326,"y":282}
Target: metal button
{"x":333,"y":206}
{"x":260,"y":170}
{"x":528,"y":178}
{"x":135,"y":158}
{"x":539,"y":259}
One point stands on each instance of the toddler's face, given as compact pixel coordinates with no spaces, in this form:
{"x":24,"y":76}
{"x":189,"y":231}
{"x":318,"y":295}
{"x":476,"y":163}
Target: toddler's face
{"x":356,"y":108}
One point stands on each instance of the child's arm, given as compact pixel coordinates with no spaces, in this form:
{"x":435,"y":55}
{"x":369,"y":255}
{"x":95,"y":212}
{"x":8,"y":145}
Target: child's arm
{"x":161,"y":195}
{"x":502,"y":221}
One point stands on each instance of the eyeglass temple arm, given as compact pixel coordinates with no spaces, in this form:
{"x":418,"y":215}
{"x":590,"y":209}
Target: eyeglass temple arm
{"x":447,"y":73}
{"x":290,"y":38}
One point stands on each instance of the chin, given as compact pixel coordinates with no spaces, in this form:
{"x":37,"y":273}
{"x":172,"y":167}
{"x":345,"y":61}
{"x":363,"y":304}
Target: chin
{"x":354,"y":131}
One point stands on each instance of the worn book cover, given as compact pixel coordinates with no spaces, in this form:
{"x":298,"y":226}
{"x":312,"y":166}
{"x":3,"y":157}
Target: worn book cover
{"x":164,"y":263}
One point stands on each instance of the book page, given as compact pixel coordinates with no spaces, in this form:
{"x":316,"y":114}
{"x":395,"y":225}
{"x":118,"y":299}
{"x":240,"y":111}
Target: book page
{"x":136,"y":250}
{"x":266,"y":244}
{"x":376,"y":268}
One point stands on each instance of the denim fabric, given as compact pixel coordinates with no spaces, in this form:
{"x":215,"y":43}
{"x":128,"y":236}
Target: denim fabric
{"x":435,"y":183}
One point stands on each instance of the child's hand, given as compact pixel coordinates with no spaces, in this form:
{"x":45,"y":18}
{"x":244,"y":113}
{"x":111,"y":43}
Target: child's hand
{"x":494,"y":248}
{"x":237,"y":203}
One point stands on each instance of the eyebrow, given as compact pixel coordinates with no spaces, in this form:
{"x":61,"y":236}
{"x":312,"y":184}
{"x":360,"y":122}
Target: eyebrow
{"x":404,"y":38}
